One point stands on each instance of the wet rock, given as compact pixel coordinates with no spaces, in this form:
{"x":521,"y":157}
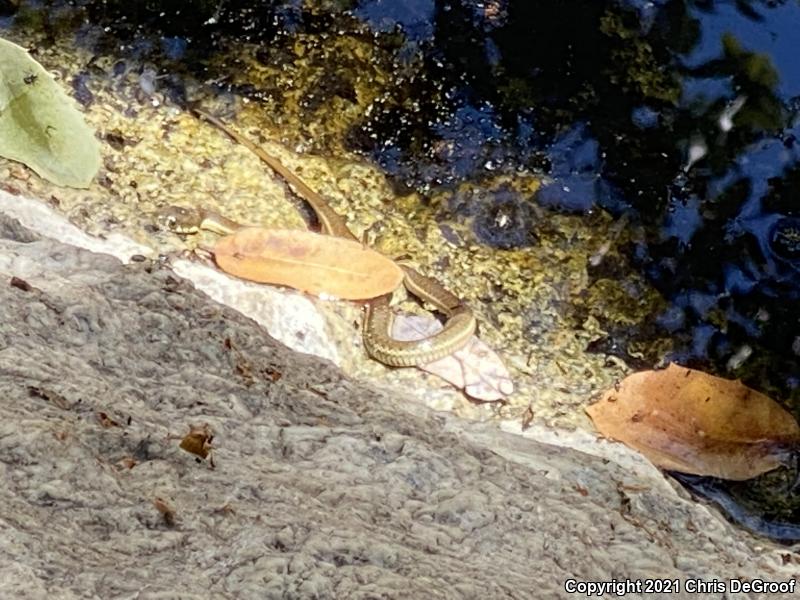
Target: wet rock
{"x":506,"y":222}
{"x":501,"y":218}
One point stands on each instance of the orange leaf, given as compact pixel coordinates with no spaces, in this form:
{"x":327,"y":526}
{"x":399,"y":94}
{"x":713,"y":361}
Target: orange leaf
{"x":309,"y":262}
{"x":198,"y":440}
{"x":690,"y":421}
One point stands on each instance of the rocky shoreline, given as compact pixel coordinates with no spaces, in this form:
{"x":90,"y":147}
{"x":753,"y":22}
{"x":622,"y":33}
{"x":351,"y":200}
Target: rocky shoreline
{"x":323,"y":488}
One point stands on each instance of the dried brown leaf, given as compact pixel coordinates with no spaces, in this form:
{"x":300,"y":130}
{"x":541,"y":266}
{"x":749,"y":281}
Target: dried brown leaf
{"x":167,"y":512}
{"x":198,"y":440}
{"x":527,"y":418}
{"x":127,"y":462}
{"x":322,"y":265}
{"x":21,"y":284}
{"x":50,"y":395}
{"x":106,"y":421}
{"x":693,"y":422}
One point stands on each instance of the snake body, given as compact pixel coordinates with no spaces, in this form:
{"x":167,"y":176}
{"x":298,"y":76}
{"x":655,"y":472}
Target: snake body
{"x":460,"y":323}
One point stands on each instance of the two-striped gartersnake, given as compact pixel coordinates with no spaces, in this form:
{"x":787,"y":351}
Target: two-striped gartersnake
{"x":460,"y":323}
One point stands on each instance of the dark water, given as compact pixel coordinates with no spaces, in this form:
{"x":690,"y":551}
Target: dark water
{"x":681,"y":117}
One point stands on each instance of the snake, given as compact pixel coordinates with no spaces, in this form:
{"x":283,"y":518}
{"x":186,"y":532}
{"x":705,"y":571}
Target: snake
{"x":460,"y":322}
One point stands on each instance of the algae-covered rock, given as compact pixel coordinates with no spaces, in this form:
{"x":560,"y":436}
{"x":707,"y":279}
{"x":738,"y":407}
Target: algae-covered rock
{"x":39,"y":124}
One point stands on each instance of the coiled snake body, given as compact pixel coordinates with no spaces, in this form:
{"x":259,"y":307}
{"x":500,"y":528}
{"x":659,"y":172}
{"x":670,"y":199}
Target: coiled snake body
{"x":460,"y":323}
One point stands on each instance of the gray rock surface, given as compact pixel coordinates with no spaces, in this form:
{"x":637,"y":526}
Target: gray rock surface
{"x":323,"y":487}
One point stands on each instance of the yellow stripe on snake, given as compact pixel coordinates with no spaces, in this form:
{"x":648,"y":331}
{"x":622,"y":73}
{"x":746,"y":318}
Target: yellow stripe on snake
{"x":378,"y":341}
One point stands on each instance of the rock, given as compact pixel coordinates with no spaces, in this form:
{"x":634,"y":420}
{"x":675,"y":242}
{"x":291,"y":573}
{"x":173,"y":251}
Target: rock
{"x":323,"y":487}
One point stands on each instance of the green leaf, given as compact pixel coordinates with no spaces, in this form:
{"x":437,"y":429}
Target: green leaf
{"x":40,"y":125}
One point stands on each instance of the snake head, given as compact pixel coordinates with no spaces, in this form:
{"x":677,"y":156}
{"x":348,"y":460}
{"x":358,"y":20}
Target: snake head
{"x":179,"y":219}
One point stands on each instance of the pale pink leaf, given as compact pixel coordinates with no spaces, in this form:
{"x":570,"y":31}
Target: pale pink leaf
{"x":476,"y":368}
